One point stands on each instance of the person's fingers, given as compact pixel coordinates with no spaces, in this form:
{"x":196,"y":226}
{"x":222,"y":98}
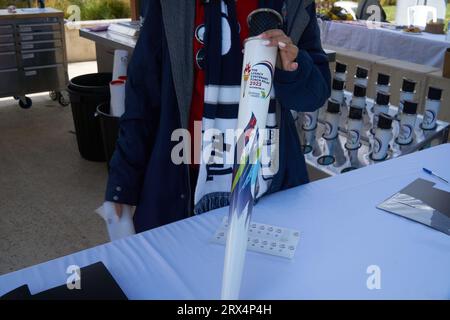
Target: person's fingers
{"x":288,"y":55}
{"x":289,"y":65}
{"x":288,"y":51}
{"x":286,"y":40}
{"x":283,"y":45}
{"x":119,"y":209}
{"x":286,"y":46}
{"x":285,"y":61}
{"x":274,"y":41}
{"x":272,"y":33}
{"x":293,"y":66}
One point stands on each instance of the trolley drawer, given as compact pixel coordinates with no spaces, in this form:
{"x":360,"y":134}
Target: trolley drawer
{"x":45,"y":78}
{"x":6,"y":38}
{"x":41,"y":57}
{"x":6,"y":29}
{"x":5,"y":47}
{"x":9,"y":81}
{"x":40,"y":36}
{"x":39,"y":45}
{"x":8,"y":60}
{"x":37,"y":19}
{"x":38,"y":27}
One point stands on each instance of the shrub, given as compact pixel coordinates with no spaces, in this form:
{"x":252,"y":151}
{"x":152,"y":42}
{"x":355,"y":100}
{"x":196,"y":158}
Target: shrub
{"x":104,"y":9}
{"x":90,"y":9}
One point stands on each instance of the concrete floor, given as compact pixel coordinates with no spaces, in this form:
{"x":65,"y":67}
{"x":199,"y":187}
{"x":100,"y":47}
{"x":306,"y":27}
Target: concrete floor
{"x":48,"y":193}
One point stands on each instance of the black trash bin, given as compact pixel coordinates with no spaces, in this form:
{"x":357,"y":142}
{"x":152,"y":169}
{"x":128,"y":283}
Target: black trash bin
{"x":110,"y":130}
{"x":86,"y":93}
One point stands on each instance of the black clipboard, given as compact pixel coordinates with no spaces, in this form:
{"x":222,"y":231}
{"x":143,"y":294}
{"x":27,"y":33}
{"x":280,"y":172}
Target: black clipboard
{"x":97,"y":283}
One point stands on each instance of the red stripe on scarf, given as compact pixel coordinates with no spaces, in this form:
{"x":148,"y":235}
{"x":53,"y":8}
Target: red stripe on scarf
{"x":244,"y":8}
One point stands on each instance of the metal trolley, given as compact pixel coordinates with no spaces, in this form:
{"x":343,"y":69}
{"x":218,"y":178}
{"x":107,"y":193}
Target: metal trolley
{"x":33,"y":54}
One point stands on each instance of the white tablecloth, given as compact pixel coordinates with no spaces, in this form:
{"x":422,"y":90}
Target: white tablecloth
{"x":425,"y":48}
{"x":342,"y":234}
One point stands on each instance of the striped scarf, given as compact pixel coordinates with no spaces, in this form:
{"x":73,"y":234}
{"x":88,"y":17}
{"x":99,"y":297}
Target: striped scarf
{"x":223,"y":72}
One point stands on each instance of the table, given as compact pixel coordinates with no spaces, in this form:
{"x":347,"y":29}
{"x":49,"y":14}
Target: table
{"x":106,"y":42}
{"x":426,"y":48}
{"x":340,"y":238}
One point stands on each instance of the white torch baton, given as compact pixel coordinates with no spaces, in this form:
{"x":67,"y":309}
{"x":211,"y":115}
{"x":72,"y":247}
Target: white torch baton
{"x":256,"y":91}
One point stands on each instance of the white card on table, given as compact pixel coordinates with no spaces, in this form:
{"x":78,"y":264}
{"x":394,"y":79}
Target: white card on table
{"x":263,"y":238}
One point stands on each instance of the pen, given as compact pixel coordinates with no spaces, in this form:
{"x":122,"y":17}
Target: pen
{"x":434,"y":175}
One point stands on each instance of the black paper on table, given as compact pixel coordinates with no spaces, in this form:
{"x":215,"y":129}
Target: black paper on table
{"x":96,"y":284}
{"x":424,"y":190}
{"x":422,"y":202}
{"x":22,"y":293}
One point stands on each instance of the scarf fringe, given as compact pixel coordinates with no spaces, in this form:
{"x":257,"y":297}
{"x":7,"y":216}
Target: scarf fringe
{"x":212,"y":201}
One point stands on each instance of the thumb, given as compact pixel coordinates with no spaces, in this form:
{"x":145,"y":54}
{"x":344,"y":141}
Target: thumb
{"x":119,"y":209}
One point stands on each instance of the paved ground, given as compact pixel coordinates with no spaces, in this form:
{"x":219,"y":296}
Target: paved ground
{"x":47,"y":191}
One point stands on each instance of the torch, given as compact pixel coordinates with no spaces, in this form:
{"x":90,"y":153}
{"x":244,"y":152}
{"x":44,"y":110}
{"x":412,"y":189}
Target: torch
{"x":256,"y":90}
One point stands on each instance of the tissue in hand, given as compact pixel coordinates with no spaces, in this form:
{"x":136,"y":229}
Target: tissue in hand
{"x":118,"y":228}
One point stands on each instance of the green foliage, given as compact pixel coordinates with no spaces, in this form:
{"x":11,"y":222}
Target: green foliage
{"x":390,"y":13}
{"x":90,"y":9}
{"x":104,"y":9}
{"x":388,"y":2}
{"x":17,"y":3}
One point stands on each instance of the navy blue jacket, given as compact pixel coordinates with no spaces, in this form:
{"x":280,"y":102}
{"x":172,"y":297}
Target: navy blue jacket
{"x":142,"y":172}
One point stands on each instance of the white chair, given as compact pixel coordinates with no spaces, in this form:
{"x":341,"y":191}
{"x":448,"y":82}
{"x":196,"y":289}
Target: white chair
{"x":349,"y":6}
{"x":440,"y":5}
{"x":420,"y":15}
{"x":401,"y":11}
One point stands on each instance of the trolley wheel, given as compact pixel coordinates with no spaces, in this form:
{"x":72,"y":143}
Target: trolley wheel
{"x":63,"y":98}
{"x":53,"y":95}
{"x":16,"y":97}
{"x":25,"y":103}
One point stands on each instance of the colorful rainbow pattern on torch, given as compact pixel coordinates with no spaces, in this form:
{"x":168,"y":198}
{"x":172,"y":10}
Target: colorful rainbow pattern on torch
{"x":245,"y":175}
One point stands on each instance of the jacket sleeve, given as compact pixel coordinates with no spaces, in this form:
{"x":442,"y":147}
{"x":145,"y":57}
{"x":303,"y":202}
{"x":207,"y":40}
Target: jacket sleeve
{"x":308,"y":88}
{"x":139,"y":123}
